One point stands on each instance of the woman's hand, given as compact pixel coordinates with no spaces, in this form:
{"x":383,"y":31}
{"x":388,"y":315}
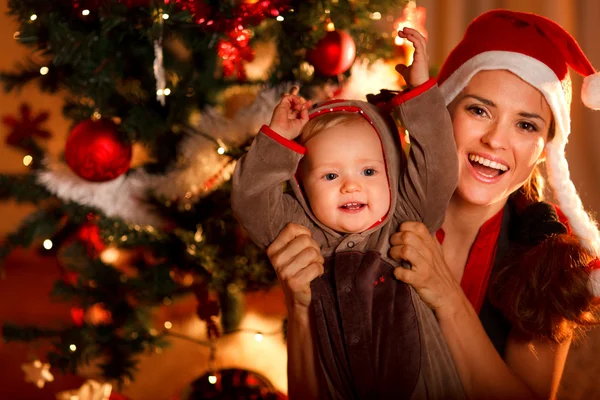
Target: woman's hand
{"x":429,"y":275}
{"x":290,"y":115}
{"x":297,"y":260}
{"x":418,"y":72}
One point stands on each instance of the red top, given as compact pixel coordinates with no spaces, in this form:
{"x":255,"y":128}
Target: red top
{"x":482,"y":255}
{"x":480,"y":262}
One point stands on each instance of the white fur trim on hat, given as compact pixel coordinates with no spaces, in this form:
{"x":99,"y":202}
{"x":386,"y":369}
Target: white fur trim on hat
{"x":532,"y":71}
{"x":540,"y":76}
{"x":590,"y":91}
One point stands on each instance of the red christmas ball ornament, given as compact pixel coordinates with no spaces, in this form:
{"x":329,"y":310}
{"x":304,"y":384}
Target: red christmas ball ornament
{"x":96,"y":152}
{"x":333,"y":54}
{"x":232,"y":383}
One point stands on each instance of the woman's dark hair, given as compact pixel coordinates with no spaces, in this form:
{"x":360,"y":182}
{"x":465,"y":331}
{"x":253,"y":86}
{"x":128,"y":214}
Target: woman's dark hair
{"x":544,"y":292}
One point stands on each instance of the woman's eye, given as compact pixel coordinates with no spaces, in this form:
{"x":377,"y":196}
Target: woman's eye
{"x":477,"y":111}
{"x":528,"y":126}
{"x":369,"y":172}
{"x":330,"y":177}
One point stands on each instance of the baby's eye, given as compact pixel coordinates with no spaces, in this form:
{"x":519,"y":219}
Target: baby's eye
{"x":369,"y":172}
{"x":330,"y":176}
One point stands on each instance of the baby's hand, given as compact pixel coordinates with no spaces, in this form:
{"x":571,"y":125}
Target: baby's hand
{"x":290,"y":115}
{"x":418,"y":72}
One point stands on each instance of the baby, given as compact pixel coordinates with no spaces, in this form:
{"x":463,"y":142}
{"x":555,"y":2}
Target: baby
{"x":353,"y":186}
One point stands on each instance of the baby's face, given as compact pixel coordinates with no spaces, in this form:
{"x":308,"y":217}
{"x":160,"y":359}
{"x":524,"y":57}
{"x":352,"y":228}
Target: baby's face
{"x":344,"y":177}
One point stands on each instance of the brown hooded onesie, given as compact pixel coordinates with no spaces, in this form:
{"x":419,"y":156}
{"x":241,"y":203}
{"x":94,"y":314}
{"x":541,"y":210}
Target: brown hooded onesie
{"x":376,"y":338}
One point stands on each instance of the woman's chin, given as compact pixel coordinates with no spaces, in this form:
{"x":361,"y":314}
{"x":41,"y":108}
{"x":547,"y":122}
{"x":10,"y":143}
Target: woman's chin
{"x":480,"y":196}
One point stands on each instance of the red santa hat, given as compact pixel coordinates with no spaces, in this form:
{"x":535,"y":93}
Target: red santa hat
{"x":538,"y":51}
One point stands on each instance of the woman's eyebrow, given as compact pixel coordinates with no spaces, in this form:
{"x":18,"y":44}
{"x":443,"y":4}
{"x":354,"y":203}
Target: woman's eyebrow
{"x":531,"y":115}
{"x":481,"y":99}
{"x":492,"y":104}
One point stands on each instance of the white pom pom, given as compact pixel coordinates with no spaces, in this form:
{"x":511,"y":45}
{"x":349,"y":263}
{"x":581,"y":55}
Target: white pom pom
{"x":590,"y":91}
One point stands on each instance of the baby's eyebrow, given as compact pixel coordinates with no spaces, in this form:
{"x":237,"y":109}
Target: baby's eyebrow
{"x":370,"y":161}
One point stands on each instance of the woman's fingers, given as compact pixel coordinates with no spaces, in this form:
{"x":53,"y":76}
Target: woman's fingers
{"x":301,"y":249}
{"x":301,"y":281}
{"x":287,"y":234}
{"x":297,"y":260}
{"x":292,"y":250}
{"x":405,"y":275}
{"x":306,"y":256}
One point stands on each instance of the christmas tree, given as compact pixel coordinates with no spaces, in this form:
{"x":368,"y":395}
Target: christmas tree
{"x":183,"y":85}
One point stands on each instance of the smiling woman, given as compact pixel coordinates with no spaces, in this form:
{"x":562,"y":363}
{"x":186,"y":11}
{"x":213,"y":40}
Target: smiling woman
{"x":524,"y":280}
{"x":501,"y":126}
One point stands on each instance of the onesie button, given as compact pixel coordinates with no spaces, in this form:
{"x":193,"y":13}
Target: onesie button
{"x":351,"y":244}
{"x":347,"y":289}
{"x":354,"y":339}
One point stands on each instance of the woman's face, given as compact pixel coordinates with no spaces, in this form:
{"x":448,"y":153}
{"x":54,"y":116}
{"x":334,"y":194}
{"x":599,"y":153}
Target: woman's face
{"x":501,"y":126}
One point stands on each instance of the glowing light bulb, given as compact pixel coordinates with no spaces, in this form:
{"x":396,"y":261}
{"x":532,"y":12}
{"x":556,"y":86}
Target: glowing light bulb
{"x":168,"y":325}
{"x":376,"y":15}
{"x":27,"y":160}
{"x":258,"y":337}
{"x":33,"y":17}
{"x":165,"y":16}
{"x":109,"y":255}
{"x":47,"y":244}
{"x":72,"y":347}
{"x":221,"y":150}
{"x":212,"y":379}
{"x":330,"y":26}
{"x":85,"y":12}
{"x":280,"y":18}
{"x":167,"y":91}
{"x":44,"y":70}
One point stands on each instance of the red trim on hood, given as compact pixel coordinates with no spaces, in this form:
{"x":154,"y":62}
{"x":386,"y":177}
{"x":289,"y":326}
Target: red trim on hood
{"x":411,"y":93}
{"x":345,"y":108}
{"x":290,"y":144}
{"x":331,"y":101}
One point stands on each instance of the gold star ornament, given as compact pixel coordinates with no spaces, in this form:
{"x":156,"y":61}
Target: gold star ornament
{"x":37,"y":373}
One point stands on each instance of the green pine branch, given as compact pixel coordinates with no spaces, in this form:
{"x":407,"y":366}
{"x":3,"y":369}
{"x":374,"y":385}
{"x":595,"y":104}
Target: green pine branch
{"x":23,"y":188}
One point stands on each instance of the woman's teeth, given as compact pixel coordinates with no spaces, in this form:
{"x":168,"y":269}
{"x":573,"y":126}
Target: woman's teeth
{"x":488,"y":163}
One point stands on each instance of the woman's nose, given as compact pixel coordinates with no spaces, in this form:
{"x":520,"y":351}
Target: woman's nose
{"x":496,"y":136}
